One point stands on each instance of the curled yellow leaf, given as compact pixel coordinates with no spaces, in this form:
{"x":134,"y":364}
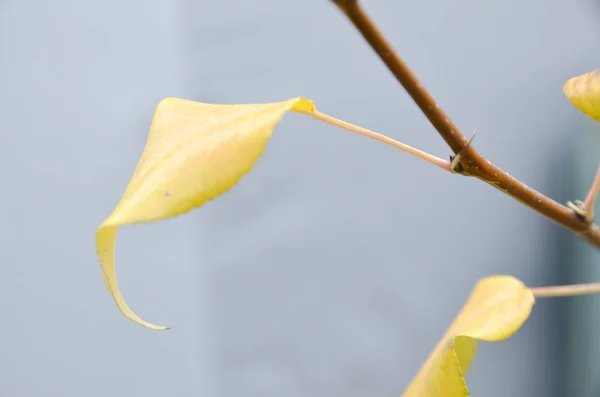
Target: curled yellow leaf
{"x":496,"y":309}
{"x":584,"y":93}
{"x":194,"y":153}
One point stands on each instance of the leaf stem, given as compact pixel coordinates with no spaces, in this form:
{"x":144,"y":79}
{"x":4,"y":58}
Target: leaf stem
{"x":443,"y":164}
{"x":471,"y":162}
{"x":566,"y":290}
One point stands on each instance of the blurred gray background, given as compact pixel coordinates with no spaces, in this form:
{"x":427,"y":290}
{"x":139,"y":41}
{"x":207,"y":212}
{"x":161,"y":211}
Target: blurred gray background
{"x":337,"y":263}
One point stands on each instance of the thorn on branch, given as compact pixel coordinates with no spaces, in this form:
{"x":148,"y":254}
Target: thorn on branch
{"x":455,"y":166}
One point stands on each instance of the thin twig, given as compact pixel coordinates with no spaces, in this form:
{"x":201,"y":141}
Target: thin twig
{"x":443,"y":164}
{"x":585,"y":209}
{"x":472,"y":163}
{"x":566,"y":290}
{"x":590,"y":199}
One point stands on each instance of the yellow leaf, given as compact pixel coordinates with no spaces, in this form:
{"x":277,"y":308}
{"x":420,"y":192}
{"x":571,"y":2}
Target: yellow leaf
{"x":584,"y":93}
{"x":194,"y":153}
{"x":496,"y":309}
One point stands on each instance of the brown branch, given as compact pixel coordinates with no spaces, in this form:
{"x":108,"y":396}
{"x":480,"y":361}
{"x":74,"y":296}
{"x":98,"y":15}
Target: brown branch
{"x":471,"y":162}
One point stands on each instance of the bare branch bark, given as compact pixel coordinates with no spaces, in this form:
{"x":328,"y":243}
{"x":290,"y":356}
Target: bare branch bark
{"x":471,"y":162}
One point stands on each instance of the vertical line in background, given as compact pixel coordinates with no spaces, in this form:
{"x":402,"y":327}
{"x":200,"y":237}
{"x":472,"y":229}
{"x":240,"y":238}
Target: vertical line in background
{"x":188,"y":17}
{"x":581,"y":355}
{"x":580,"y":358}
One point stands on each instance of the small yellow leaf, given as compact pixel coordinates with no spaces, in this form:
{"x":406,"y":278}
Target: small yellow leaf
{"x":584,"y":93}
{"x":194,"y":153}
{"x":496,"y":309}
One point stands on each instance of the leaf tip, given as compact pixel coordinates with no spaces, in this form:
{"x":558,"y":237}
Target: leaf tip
{"x":105,"y":248}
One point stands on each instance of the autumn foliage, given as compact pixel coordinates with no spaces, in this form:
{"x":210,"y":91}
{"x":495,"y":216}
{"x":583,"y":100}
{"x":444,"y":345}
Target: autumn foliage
{"x":197,"y":151}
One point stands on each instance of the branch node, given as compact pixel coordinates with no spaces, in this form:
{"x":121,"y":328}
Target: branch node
{"x":455,"y":166}
{"x":579,"y":208}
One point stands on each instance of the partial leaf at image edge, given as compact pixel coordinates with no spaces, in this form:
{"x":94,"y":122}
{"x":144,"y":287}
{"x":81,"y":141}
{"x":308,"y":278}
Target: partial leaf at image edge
{"x":584,"y":93}
{"x":194,"y":153}
{"x":495,"y":310}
